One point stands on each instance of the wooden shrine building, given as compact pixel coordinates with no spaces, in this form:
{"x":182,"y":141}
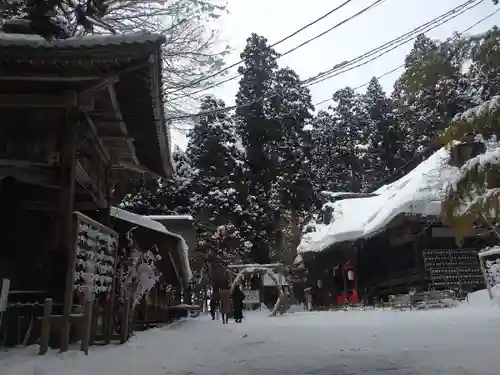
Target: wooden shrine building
{"x":77,"y":118}
{"x":392,"y":241}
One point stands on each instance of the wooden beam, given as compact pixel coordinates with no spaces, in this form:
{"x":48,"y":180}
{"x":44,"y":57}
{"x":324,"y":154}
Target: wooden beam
{"x":31,"y":175}
{"x":65,"y":226}
{"x":33,"y":100}
{"x":117,"y":138}
{"x":119,"y":116}
{"x":88,"y":184}
{"x":14,"y":163}
{"x":104,"y":152}
{"x":116,"y":108}
{"x":134,"y":167}
{"x":101,"y":85}
{"x":49,"y":78}
{"x":52,"y":206}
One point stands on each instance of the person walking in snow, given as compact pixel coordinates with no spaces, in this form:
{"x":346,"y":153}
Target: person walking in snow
{"x":225,"y":304}
{"x":238,"y":297}
{"x":214,"y":305}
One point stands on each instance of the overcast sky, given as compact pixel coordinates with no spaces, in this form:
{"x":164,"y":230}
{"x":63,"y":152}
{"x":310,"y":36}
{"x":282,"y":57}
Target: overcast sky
{"x":276,"y":19}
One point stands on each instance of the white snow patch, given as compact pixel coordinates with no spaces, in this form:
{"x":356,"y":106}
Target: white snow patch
{"x":88,"y":41}
{"x":377,"y":342}
{"x":419,"y":192}
{"x":170,"y":217}
{"x":481,"y":299}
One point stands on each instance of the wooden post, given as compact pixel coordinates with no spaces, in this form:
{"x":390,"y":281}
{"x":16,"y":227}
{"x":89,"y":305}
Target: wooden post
{"x":109,"y":309}
{"x":94,"y":320}
{"x":483,"y":270}
{"x":109,"y":303}
{"x":65,"y":216}
{"x":125,"y":320}
{"x":45,"y":331}
{"x":86,"y":324}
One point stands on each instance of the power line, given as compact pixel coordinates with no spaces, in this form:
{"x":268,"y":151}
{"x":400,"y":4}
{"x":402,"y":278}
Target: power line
{"x":402,"y":65}
{"x":314,"y":80}
{"x":201,"y":79}
{"x":414,"y":32}
{"x":371,"y":6}
{"x":402,"y":40}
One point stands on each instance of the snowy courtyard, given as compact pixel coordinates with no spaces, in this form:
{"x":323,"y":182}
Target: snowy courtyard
{"x":461,"y":340}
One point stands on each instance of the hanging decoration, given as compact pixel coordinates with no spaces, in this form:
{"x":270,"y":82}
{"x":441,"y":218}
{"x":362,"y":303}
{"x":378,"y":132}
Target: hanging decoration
{"x":493,"y":272}
{"x":137,"y":273}
{"x":489,"y":259}
{"x":350,"y":275}
{"x":95,"y":256}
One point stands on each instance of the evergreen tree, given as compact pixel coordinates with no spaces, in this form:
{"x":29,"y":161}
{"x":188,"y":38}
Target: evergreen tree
{"x":328,"y":174}
{"x":483,"y":75}
{"x":431,"y":89}
{"x":386,"y":138}
{"x":216,"y":202}
{"x":288,"y":145}
{"x":162,"y":197}
{"x":352,"y":136}
{"x":258,"y":132}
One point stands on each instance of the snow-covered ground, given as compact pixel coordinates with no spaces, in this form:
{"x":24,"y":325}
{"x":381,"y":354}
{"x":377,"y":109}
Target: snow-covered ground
{"x":461,"y":340}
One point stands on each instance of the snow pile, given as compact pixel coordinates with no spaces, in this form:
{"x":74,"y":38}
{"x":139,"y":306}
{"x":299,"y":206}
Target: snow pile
{"x":481,"y":299}
{"x":419,"y":192}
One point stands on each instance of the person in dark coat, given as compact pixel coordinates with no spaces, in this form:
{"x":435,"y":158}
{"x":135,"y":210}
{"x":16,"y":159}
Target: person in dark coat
{"x":214,"y":305}
{"x":237,"y":297}
{"x":225,"y":304}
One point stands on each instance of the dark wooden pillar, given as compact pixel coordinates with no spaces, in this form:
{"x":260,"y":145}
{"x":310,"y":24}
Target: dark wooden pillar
{"x":66,"y":234}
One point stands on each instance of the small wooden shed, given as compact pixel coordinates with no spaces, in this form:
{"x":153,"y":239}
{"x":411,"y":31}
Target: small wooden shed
{"x":173,"y":264}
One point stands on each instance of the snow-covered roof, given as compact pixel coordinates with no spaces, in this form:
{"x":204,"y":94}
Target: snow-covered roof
{"x":158,"y":227}
{"x":87,"y":41}
{"x":170,"y":217}
{"x":419,"y":192}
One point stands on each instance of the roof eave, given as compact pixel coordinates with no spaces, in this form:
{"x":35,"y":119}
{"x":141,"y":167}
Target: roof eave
{"x":162,"y":129}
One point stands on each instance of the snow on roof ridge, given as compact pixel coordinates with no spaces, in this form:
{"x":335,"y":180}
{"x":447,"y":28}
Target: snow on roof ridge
{"x":170,"y":217}
{"x":418,"y":192}
{"x":30,"y":40}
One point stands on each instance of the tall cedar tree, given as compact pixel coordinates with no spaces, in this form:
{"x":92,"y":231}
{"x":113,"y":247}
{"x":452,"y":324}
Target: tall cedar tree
{"x":293,"y":189}
{"x":386,"y":138}
{"x":216,"y":203}
{"x":352,"y":136}
{"x":431,"y":88}
{"x":483,"y":74}
{"x":163,"y":197}
{"x":326,"y":167}
{"x":258,"y":131}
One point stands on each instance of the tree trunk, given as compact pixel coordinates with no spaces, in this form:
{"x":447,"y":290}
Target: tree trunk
{"x":295,"y":223}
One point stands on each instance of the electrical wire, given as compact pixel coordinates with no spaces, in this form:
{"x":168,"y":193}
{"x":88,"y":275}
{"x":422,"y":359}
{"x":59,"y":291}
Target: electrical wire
{"x":371,"y":6}
{"x":314,"y":80}
{"x":335,"y":72}
{"x":402,"y":65}
{"x":201,"y":79}
{"x":414,"y":32}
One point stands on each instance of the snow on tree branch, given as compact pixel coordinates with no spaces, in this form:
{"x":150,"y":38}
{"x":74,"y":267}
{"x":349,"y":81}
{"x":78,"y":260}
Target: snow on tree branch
{"x":189,"y":53}
{"x":473,"y":194}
